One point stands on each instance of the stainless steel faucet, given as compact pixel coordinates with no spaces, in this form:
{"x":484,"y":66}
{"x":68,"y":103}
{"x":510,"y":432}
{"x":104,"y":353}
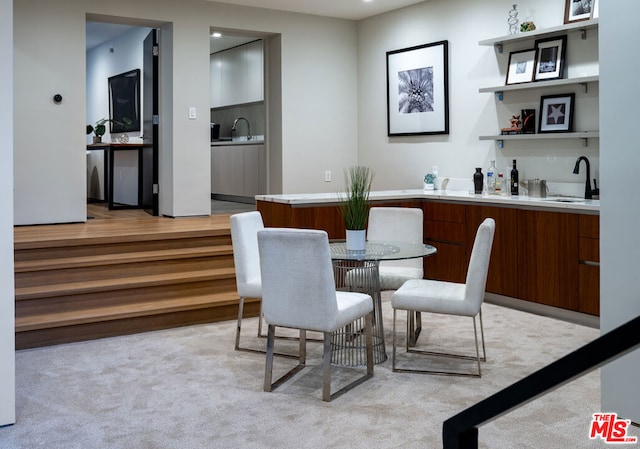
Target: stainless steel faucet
{"x":588,"y":193}
{"x":235,"y":123}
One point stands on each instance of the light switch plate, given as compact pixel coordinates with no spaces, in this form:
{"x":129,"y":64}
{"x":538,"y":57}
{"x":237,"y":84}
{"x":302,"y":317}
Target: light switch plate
{"x":192,"y":113}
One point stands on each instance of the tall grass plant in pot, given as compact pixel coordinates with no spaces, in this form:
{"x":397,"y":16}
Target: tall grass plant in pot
{"x":354,"y":206}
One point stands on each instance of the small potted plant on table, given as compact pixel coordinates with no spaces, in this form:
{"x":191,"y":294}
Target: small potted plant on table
{"x":354,"y":207}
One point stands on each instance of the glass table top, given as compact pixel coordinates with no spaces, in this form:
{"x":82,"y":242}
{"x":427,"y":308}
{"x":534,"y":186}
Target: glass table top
{"x":381,"y":250}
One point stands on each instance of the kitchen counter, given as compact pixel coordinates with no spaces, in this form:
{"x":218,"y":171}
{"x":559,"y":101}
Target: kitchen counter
{"x":225,"y":142}
{"x":558,"y":204}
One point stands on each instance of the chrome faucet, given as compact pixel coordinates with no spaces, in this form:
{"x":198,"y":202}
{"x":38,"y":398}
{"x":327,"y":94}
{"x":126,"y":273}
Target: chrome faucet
{"x":235,"y":123}
{"x":588,"y":193}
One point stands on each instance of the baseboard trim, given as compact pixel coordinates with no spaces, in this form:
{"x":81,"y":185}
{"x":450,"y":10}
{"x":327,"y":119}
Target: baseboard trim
{"x":544,"y":310}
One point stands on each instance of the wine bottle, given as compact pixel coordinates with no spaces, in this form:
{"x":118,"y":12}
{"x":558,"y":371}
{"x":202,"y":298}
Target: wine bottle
{"x":514,"y":179}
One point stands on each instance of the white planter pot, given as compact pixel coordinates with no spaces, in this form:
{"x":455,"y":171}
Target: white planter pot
{"x":356,"y":240}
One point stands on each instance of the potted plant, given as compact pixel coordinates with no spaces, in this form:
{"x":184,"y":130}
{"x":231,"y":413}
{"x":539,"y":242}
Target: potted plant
{"x":98,"y":130}
{"x":354,"y":207}
{"x":100,"y":127}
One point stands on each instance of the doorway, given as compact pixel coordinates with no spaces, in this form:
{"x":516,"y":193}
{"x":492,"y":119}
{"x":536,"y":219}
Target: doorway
{"x":122,"y":171}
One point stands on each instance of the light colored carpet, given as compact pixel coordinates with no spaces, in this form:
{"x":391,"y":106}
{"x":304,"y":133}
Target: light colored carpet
{"x":187,"y":388}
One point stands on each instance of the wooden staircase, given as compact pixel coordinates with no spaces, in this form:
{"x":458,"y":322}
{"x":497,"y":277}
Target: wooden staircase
{"x":114,"y":277}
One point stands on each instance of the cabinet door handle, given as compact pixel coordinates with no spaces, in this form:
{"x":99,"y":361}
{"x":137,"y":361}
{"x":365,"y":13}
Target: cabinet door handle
{"x":590,"y":263}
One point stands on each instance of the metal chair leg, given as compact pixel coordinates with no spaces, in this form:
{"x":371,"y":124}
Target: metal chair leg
{"x":477,"y":358}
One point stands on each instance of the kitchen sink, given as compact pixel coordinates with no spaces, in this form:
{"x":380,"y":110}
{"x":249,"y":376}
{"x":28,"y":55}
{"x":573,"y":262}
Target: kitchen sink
{"x":564,"y":200}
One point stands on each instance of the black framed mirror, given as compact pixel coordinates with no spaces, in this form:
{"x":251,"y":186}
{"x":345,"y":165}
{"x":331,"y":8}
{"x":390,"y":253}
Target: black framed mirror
{"x":124,"y":102}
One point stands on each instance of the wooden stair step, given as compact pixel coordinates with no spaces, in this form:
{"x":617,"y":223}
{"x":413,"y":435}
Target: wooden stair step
{"x":113,"y":259}
{"x":150,"y":280}
{"x":123,"y":311}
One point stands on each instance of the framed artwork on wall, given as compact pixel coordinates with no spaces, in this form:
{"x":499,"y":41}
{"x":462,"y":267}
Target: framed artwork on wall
{"x":577,"y":10}
{"x":418,"y":90}
{"x":556,"y":113}
{"x":550,"y":55}
{"x":521,"y":65}
{"x":124,"y":102}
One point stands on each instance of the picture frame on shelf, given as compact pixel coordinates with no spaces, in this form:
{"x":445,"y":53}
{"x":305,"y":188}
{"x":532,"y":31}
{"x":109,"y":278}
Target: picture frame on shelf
{"x":550,"y":57}
{"x":528,"y":121}
{"x":556,"y":113}
{"x":577,"y":10}
{"x":418,"y":90}
{"x":595,"y":10}
{"x":521,"y":66}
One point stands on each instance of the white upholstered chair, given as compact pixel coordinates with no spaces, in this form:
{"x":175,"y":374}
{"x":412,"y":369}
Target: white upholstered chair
{"x":449,"y":298}
{"x":244,"y":238}
{"x":298,"y":291}
{"x":403,"y":224}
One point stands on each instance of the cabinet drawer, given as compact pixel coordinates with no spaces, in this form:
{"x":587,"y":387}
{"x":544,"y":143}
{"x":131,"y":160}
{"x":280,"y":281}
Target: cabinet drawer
{"x":589,"y":250}
{"x":450,"y":213}
{"x":448,"y":264}
{"x":589,"y":226}
{"x":444,"y":232}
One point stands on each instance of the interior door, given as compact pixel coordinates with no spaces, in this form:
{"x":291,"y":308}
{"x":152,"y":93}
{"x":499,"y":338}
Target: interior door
{"x":150,"y":186}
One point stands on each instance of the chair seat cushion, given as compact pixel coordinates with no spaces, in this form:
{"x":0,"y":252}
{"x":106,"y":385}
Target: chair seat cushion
{"x":424,"y":295}
{"x":392,"y":278}
{"x":351,"y":306}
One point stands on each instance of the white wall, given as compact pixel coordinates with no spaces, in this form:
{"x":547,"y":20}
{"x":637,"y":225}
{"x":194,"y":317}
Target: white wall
{"x":7,"y":339}
{"x":318,"y":82}
{"x":405,"y":160}
{"x":619,"y":212}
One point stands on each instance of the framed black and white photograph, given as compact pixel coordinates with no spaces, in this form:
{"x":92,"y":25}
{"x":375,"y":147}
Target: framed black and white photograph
{"x":124,"y":102}
{"x":521,"y":66}
{"x":418,"y":90}
{"x":556,"y":113}
{"x":595,"y":12}
{"x":550,"y":55}
{"x":577,"y":10}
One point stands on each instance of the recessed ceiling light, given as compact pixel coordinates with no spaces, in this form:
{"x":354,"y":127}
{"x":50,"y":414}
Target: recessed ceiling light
{"x":216,"y":34}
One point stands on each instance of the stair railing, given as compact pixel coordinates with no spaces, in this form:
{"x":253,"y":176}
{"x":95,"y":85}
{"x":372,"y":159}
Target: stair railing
{"x":461,"y":431}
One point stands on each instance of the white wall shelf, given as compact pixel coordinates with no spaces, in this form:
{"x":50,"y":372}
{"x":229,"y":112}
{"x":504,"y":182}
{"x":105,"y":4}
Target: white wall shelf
{"x":582,"y":27}
{"x":584,"y":135}
{"x":584,"y":81}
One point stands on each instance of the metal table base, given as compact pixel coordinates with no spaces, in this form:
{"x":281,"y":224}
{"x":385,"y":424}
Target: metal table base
{"x":348,"y":346}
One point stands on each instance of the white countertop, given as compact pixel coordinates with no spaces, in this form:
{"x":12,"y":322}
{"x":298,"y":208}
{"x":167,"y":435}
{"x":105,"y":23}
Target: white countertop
{"x":522,"y":201}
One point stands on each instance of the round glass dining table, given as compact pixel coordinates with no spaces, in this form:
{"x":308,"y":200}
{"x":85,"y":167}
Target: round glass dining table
{"x":357,"y":271}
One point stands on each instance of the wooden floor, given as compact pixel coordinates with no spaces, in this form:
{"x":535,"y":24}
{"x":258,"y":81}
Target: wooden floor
{"x":122,"y":272}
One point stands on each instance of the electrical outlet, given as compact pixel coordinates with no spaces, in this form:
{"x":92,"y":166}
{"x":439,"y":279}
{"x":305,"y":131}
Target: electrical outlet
{"x":327,"y":176}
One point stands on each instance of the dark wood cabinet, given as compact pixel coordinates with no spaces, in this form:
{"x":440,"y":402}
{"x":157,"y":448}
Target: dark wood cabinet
{"x":503,"y":267}
{"x":548,"y":258}
{"x":541,"y":256}
{"x":589,"y":264}
{"x":444,"y":228}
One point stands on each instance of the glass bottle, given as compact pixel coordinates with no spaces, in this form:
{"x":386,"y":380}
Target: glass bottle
{"x":478,"y":179}
{"x":491,"y":177}
{"x":514,"y":179}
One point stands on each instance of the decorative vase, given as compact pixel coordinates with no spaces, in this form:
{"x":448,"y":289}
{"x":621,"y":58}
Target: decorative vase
{"x":97,"y":139}
{"x":356,"y":239}
{"x":478,"y":179}
{"x":513,"y":20}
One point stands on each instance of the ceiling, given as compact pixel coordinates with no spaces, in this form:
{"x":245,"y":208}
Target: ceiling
{"x":343,"y":9}
{"x":99,"y":32}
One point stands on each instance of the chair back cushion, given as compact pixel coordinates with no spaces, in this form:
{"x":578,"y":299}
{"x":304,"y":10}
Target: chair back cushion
{"x":298,"y":287}
{"x":244,"y":237}
{"x":479,"y":264}
{"x":402,"y":224}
